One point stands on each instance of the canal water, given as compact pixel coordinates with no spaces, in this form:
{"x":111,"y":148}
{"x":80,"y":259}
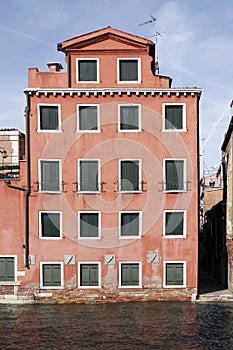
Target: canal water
{"x":133,"y":326}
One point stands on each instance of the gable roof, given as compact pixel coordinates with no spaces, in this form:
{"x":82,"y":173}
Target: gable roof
{"x":88,"y":39}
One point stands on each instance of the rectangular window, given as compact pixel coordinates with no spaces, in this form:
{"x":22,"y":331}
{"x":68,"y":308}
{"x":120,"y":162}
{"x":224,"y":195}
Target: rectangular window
{"x":129,"y":70}
{"x":175,"y":274}
{"x":174,"y":223}
{"x":130,"y":224}
{"x":51,"y":275}
{"x":49,"y":175}
{"x":89,"y":275}
{"x":130,"y":274}
{"x":87,"y":70}
{"x":50,"y":224}
{"x":130,"y":177}
{"x":129,"y":118}
{"x":88,"y":118}
{"x":174,"y":175}
{"x":89,"y":174}
{"x":89,"y":224}
{"x":49,"y":118}
{"x":7,"y":269}
{"x":174,"y":117}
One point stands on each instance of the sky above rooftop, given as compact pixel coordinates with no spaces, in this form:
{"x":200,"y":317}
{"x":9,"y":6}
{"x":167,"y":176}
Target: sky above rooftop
{"x":195,"y":48}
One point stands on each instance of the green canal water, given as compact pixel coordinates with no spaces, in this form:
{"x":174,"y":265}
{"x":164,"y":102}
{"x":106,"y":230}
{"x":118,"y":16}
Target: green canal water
{"x":134,"y":326}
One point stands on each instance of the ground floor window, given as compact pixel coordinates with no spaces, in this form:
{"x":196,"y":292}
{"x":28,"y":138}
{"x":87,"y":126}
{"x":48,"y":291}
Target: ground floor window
{"x":89,"y":275}
{"x":51,"y":275}
{"x":174,"y":274}
{"x":7,"y":269}
{"x":130,"y":274}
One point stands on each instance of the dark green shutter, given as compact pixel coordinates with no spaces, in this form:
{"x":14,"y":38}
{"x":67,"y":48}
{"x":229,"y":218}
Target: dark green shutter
{"x":88,"y":119}
{"x":89,"y":176}
{"x":174,"y":223}
{"x":87,"y":70}
{"x":129,"y":117}
{"x":51,"y":275}
{"x":174,"y":117}
{"x":174,"y":175}
{"x":129,"y":224}
{"x":130,"y":274}
{"x":49,"y":117}
{"x":89,"y":223}
{"x":50,"y":224}
{"x":130,"y":175}
{"x":7,"y":269}
{"x":174,"y":274}
{"x":89,"y":275}
{"x":128,"y":70}
{"x":50,"y":176}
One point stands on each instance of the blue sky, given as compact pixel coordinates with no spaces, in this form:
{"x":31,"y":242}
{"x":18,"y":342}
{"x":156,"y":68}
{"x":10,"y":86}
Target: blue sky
{"x":196,"y":49}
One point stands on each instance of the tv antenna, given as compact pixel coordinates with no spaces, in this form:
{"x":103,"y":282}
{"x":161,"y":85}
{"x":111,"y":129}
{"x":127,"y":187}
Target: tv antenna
{"x":153,"y":20}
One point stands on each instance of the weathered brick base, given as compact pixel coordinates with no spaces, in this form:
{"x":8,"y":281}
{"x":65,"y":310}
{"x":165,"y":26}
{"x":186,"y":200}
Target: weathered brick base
{"x":101,"y":296}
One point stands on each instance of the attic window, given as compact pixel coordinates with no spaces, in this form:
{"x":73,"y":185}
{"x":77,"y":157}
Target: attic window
{"x":87,"y":70}
{"x":129,"y":70}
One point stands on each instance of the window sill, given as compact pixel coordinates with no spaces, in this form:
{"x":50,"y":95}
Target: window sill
{"x":129,"y":130}
{"x":130,"y":287}
{"x":88,"y":192}
{"x":130,"y":237}
{"x":175,"y":286}
{"x":129,"y":82}
{"x":49,"y":131}
{"x":130,"y":192}
{"x":10,"y":283}
{"x":174,"y":130}
{"x":88,"y":131}
{"x":50,"y":192}
{"x":51,"y":238}
{"x":174,"y":236}
{"x":51,"y":287}
{"x":175,"y":191}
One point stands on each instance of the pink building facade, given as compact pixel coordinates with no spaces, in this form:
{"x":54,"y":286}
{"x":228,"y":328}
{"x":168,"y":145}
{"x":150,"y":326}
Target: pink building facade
{"x":111,"y":180}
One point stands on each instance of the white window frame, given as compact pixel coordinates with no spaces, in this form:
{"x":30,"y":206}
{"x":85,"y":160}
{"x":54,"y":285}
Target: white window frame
{"x":184,"y":129}
{"x":99,"y":226}
{"x":139,"y":117}
{"x":97,"y":67}
{"x":99,"y":177}
{"x":184,"y":274}
{"x":99,"y":274}
{"x":140,"y":175}
{"x":140,"y":273}
{"x":59,"y":117}
{"x":184,"y":175}
{"x":15,"y":267}
{"x":140,"y":223}
{"x":40,"y":224}
{"x":98,"y":118}
{"x":184,"y":223}
{"x":60,"y":174}
{"x":138,"y":59}
{"x":41,"y":274}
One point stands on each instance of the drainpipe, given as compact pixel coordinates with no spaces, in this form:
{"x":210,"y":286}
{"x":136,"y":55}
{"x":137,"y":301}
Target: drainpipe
{"x":26,"y":189}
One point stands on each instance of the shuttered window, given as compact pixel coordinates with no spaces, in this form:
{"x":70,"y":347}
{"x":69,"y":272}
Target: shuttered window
{"x":129,"y":117}
{"x":89,"y":275}
{"x":88,"y":118}
{"x":129,"y":274}
{"x":7,"y":269}
{"x":129,"y":180}
{"x":51,"y":275}
{"x":49,"y":119}
{"x":87,"y":70}
{"x":174,"y":175}
{"x":89,"y":225}
{"x":50,"y":225}
{"x":174,"y":117}
{"x":50,"y":176}
{"x":128,"y":70}
{"x":129,"y":225}
{"x":89,"y":175}
{"x":174,"y":274}
{"x":174,"y":223}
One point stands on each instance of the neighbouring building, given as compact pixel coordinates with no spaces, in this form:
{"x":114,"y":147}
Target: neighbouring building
{"x":110,"y":189}
{"x":227,"y":156}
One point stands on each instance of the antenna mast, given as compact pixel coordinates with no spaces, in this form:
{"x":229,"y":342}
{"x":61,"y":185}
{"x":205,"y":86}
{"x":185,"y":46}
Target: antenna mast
{"x":153,"y":20}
